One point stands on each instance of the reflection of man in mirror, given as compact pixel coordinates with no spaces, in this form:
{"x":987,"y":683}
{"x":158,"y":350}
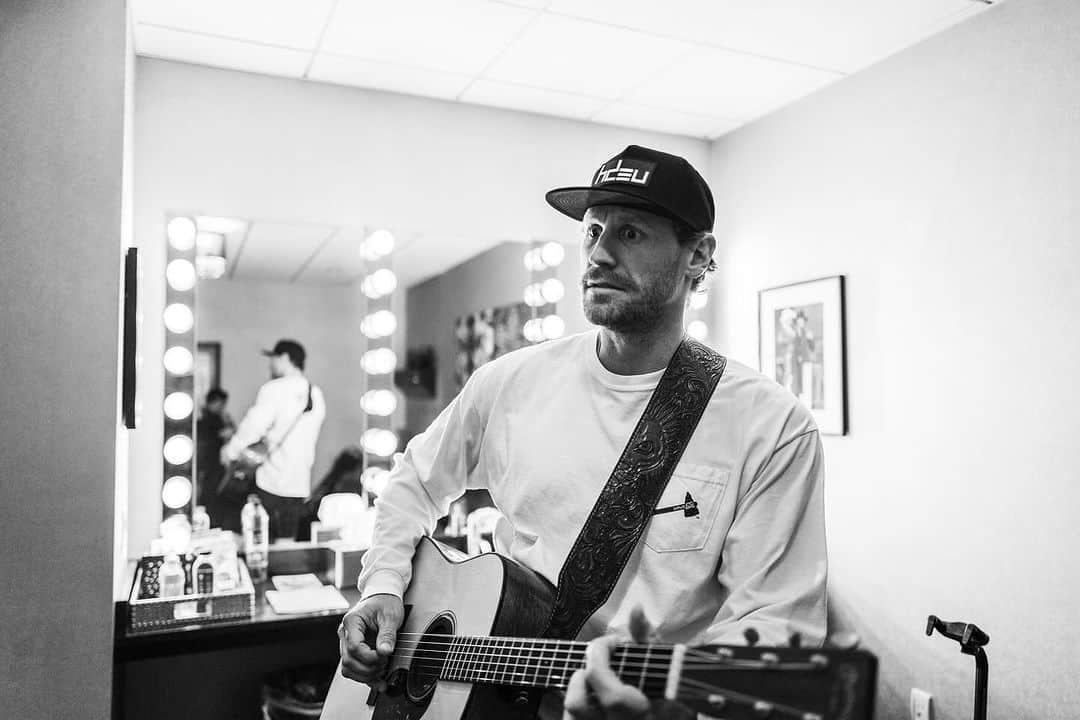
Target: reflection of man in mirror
{"x":215,"y":429}
{"x":733,"y":547}
{"x":287,"y":416}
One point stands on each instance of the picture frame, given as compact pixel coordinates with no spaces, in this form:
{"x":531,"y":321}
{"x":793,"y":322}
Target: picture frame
{"x":802,"y":346}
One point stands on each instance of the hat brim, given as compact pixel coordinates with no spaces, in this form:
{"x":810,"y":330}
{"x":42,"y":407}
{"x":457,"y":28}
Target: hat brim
{"x":574,"y":201}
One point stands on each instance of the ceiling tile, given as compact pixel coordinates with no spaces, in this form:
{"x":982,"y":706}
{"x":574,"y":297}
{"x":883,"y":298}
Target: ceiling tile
{"x":231,"y":54}
{"x":728,"y":85}
{"x":528,"y":99}
{"x":277,"y":252}
{"x":842,"y":35}
{"x":383,"y":76}
{"x":583,"y":57}
{"x":276,"y":22}
{"x":462,"y":36}
{"x":660,"y":120}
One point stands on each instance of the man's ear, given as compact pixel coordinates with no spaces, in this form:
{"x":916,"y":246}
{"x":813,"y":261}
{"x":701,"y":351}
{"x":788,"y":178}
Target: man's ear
{"x":701,"y":255}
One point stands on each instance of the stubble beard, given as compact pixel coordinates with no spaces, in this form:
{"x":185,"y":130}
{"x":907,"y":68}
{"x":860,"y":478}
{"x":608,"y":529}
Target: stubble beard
{"x":641,"y":313}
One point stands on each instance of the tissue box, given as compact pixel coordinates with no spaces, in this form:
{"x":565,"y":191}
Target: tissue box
{"x":345,"y":564}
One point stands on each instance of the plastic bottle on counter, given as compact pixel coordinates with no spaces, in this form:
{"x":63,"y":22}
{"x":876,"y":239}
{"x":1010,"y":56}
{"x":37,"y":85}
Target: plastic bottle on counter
{"x":204,"y":574}
{"x":225,"y":570}
{"x":171,"y":577}
{"x":256,"y":524}
{"x":200,"y":519}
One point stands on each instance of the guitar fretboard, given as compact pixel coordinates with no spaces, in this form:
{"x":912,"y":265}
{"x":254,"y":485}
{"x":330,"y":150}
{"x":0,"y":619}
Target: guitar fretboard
{"x":545,"y":663}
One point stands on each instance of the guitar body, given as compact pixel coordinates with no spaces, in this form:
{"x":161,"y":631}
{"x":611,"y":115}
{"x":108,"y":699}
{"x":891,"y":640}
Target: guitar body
{"x":484,"y":595}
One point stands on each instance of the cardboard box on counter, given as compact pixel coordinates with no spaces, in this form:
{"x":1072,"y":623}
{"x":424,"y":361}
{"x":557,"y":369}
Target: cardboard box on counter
{"x":345,"y":564}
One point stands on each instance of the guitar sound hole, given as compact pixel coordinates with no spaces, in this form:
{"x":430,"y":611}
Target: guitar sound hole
{"x":429,"y":658}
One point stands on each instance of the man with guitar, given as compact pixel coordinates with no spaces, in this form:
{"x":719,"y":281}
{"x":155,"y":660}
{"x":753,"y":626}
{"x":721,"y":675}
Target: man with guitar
{"x":640,"y":473}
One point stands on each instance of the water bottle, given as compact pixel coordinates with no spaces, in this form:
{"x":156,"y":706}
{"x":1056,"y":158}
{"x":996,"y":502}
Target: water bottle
{"x":200,"y":520}
{"x":256,"y":525}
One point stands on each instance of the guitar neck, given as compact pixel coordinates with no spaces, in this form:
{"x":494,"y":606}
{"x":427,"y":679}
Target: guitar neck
{"x":548,"y":663}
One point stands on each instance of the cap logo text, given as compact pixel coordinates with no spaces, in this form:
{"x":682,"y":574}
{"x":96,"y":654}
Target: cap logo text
{"x":635,"y":172}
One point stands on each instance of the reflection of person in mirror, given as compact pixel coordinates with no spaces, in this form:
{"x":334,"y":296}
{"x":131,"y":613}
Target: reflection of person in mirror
{"x":215,"y":429}
{"x":287,"y":415}
{"x":736,"y":541}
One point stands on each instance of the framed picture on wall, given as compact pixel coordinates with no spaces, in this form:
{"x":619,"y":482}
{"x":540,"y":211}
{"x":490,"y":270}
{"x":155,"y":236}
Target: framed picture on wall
{"x":207,"y":369}
{"x":801,"y":346}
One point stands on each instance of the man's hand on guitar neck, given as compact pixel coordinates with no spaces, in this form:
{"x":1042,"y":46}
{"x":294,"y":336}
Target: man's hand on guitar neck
{"x":366,"y":637}
{"x":596,"y":692}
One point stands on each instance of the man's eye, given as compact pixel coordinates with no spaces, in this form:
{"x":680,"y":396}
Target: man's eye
{"x":631,"y":234}
{"x":592,"y":232}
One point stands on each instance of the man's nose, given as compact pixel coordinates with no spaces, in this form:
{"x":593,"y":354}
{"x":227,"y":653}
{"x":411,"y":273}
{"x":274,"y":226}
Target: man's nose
{"x":600,"y":253}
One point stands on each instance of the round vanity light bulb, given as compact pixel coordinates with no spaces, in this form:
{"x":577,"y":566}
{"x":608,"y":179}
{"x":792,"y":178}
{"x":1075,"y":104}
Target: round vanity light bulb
{"x":379,"y":361}
{"x":697,"y":330}
{"x":533,"y":330}
{"x":178,"y":405}
{"x":552,"y":253}
{"x":379,"y":441}
{"x":379,"y":324}
{"x":178,"y":318}
{"x":177,"y":449}
{"x":553,"y":327}
{"x":698,"y":300}
{"x":181,"y":232}
{"x":178,"y":360}
{"x":176,"y":492}
{"x":552,"y":290}
{"x":379,"y":283}
{"x":180,"y":274}
{"x":374,"y":479}
{"x":378,"y":244}
{"x":379,"y":402}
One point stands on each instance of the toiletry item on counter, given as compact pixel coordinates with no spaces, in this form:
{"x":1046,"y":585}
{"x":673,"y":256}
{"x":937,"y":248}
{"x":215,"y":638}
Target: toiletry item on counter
{"x":256,"y":524}
{"x":200,"y":520}
{"x":204,"y":574}
{"x":171,"y":577}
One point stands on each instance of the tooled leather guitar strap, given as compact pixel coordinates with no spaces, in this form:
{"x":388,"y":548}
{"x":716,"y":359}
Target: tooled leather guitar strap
{"x":613,"y":528}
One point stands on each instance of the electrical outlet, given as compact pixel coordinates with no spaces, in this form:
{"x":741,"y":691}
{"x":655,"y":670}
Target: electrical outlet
{"x":922,"y":705}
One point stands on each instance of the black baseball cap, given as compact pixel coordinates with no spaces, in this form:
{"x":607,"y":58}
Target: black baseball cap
{"x":640,"y":177}
{"x":293,"y":349}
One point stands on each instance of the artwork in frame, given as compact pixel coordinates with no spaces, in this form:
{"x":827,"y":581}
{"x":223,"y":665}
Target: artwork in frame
{"x":801,"y":346}
{"x":486,"y":334}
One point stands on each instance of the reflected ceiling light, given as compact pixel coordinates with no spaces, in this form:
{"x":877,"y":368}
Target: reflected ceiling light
{"x":552,"y":253}
{"x":177,"y":449}
{"x":210,"y":267}
{"x":181,"y":233}
{"x":374,"y":479}
{"x":698,"y":300}
{"x":222,"y":225}
{"x":534,"y":295}
{"x":178,"y":318}
{"x":533,"y":330}
{"x":178,"y":360}
{"x":377,"y":245}
{"x":552,"y":290}
{"x":176,"y":492}
{"x":379,"y":283}
{"x":178,"y":405}
{"x":379,"y":361}
{"x":697,"y":330}
{"x":553,"y":327}
{"x":379,"y":441}
{"x":378,"y":324}
{"x":180,"y":274}
{"x":379,"y":402}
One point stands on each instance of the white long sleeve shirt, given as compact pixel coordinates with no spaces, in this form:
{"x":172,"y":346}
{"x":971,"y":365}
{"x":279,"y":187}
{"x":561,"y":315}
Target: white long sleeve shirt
{"x":542,"y":428}
{"x":279,"y":403}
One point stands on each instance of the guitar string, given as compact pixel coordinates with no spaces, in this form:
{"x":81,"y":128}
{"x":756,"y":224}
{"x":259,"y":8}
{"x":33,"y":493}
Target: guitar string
{"x":629,"y":662}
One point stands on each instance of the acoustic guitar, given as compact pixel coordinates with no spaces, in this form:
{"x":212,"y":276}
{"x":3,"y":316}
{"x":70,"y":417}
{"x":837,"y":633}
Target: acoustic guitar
{"x":468,"y":650}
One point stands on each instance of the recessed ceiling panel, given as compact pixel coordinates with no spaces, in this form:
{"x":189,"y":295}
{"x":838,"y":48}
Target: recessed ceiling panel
{"x":278,"y":252}
{"x":190,"y":47}
{"x":285,"y":23}
{"x":582,"y":57}
{"x":842,"y":35}
{"x":528,"y":99}
{"x":728,"y":85}
{"x":461,"y":37}
{"x":383,"y":76}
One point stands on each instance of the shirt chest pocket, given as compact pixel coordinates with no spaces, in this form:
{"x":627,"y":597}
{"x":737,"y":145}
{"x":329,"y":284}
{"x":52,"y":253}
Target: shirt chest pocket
{"x":687,"y":510}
